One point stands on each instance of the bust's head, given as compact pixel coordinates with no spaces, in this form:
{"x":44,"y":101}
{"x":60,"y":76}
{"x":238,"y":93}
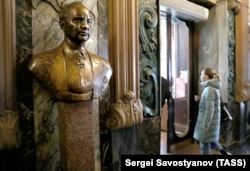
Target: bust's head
{"x":75,"y":20}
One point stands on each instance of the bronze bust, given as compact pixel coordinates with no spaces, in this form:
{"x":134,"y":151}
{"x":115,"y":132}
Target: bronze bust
{"x":70,"y":72}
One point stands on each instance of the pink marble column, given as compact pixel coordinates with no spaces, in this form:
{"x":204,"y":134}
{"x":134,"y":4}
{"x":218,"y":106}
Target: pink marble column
{"x":79,"y":135}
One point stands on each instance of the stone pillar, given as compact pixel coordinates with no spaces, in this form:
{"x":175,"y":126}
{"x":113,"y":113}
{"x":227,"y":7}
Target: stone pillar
{"x":79,"y":135}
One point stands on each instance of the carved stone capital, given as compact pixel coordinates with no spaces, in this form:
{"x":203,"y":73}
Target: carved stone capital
{"x":234,"y":5}
{"x":242,"y":95}
{"x":125,"y":113}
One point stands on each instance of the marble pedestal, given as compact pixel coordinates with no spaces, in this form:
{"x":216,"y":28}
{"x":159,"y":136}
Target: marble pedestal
{"x":79,"y":136}
{"x":142,"y":139}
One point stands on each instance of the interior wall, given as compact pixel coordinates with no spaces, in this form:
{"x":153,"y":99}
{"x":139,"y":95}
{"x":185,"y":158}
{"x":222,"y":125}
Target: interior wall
{"x":213,"y":52}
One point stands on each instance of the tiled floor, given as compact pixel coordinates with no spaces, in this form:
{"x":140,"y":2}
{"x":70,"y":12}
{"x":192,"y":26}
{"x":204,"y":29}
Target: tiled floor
{"x":189,"y":148}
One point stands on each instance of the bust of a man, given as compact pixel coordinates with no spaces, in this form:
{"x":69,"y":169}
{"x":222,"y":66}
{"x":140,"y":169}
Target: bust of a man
{"x":70,"y":72}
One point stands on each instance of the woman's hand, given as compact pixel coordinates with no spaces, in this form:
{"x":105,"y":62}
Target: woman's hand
{"x":197,"y":98}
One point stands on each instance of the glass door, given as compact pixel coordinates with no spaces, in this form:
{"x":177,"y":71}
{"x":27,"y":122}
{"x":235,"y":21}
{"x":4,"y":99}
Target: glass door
{"x":176,"y":53}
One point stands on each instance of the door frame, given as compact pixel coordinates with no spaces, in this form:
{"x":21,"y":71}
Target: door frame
{"x":172,"y":138}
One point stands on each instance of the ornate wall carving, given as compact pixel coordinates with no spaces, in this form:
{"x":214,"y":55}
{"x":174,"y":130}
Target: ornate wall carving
{"x":231,"y":56}
{"x":149,"y":63}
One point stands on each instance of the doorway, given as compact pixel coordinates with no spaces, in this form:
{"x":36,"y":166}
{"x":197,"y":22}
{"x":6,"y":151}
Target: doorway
{"x":177,"y":68}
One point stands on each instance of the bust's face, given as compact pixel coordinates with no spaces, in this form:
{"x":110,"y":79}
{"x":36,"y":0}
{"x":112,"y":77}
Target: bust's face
{"x":77,"y":24}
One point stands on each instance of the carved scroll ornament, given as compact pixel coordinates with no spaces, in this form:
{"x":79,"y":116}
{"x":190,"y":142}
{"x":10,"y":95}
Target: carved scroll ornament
{"x":125,"y":113}
{"x":149,"y":86}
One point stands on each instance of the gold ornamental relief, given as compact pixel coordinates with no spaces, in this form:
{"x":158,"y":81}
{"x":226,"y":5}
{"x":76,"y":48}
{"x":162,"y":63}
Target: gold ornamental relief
{"x":125,"y":113}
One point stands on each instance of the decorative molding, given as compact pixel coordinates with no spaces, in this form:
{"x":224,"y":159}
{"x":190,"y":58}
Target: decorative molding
{"x":125,"y":113}
{"x":205,"y":3}
{"x":185,"y":10}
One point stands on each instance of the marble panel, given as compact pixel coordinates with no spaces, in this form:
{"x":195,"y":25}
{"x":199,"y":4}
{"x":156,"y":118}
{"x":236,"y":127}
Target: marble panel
{"x":46,"y":33}
{"x":26,"y":153}
{"x":143,"y":139}
{"x":213,"y":44}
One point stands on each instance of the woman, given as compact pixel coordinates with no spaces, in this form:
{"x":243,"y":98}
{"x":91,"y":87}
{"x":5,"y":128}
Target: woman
{"x":207,"y":128}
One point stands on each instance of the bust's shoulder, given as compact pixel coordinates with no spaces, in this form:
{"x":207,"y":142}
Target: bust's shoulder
{"x":96,"y":59}
{"x":38,"y":60}
{"x":46,"y":54}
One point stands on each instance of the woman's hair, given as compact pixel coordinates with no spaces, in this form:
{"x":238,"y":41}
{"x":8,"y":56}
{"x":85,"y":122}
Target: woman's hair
{"x":211,"y":74}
